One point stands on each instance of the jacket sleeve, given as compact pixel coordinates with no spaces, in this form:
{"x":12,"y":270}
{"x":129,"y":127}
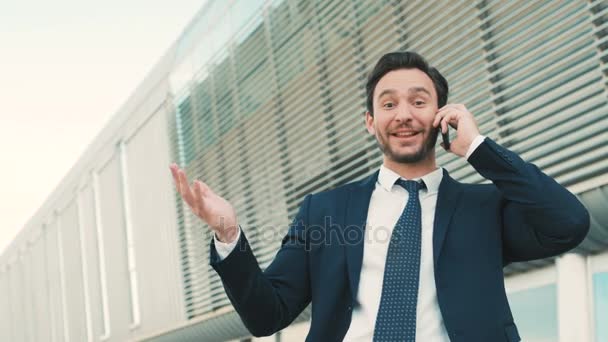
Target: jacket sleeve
{"x":540,"y":218}
{"x":267,"y":301}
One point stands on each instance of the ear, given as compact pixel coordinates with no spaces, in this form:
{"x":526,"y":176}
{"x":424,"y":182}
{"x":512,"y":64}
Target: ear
{"x":369,"y":123}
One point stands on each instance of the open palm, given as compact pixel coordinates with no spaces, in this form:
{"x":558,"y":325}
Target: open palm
{"x":217,"y":212}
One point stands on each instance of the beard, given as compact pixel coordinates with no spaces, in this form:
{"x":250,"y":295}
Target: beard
{"x":422,"y":153}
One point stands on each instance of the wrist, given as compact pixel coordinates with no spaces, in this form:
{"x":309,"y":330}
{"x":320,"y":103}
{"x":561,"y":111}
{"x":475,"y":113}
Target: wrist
{"x":474,"y":145}
{"x":229,"y":235}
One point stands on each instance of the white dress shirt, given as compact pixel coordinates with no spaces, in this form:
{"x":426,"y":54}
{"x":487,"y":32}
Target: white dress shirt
{"x":386,"y":204}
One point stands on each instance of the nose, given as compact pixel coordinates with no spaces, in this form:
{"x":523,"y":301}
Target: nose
{"x":404,"y":113}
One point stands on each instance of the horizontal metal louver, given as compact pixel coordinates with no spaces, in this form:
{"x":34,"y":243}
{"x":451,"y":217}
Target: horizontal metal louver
{"x":279,"y":113}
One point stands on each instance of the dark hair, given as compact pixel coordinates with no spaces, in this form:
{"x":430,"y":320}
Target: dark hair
{"x":405,"y":60}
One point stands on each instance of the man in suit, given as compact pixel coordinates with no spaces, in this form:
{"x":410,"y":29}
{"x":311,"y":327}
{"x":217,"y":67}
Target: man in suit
{"x":407,"y":254}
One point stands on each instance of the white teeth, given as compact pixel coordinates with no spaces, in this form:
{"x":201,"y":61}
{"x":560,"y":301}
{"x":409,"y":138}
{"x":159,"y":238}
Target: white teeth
{"x":406,"y":134}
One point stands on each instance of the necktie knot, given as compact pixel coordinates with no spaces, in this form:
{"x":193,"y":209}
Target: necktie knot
{"x":411,"y":186}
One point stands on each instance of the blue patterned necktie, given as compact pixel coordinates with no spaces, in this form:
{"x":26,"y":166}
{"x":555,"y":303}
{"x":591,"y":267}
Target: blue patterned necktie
{"x":396,"y":320}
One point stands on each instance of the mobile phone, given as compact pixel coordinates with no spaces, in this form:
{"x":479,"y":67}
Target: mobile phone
{"x":446,"y":138}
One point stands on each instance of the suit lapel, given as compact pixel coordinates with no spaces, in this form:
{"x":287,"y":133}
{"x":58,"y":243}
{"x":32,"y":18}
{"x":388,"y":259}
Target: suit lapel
{"x":448,"y":196}
{"x":356,"y":216}
{"x":354,"y":230}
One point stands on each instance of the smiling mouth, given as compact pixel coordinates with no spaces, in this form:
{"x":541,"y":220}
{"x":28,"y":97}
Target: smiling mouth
{"x":404,"y":134}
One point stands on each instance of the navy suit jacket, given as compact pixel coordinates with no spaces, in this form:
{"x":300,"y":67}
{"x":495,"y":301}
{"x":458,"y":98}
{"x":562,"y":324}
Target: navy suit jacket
{"x":478,"y":229}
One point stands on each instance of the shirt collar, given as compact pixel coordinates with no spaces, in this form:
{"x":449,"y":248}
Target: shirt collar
{"x":388,"y":177}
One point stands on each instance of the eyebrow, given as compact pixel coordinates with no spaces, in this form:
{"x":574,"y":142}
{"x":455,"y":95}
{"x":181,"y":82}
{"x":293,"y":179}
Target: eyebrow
{"x":411,"y":91}
{"x":419,"y":90}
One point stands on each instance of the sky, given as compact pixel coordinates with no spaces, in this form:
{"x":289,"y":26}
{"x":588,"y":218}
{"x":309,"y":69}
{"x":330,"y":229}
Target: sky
{"x":66,"y":67}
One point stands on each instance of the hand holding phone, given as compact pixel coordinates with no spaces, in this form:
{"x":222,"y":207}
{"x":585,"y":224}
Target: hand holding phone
{"x":460,"y":118}
{"x":446,"y":139}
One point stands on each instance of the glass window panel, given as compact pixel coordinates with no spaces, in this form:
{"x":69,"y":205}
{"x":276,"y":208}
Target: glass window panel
{"x":600,"y":299}
{"x":242,"y":11}
{"x":220,"y":33}
{"x":185,"y":114}
{"x":181,"y":75}
{"x":535,"y":313}
{"x":201,"y":53}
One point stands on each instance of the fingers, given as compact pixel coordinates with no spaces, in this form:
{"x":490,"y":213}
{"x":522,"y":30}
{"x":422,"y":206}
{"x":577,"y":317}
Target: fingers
{"x":193,"y":195}
{"x":173,"y":167}
{"x":181,"y":184}
{"x":198,"y":197}
{"x":444,"y":125}
{"x":445,"y":117}
{"x":187,"y":192}
{"x":439,"y":116}
{"x":205,"y":189}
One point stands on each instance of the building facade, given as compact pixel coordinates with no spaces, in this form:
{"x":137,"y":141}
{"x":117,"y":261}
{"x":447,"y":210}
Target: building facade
{"x":246,"y":98}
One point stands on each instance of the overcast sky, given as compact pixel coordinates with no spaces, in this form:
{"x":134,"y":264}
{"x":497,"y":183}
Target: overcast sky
{"x":66,"y":66}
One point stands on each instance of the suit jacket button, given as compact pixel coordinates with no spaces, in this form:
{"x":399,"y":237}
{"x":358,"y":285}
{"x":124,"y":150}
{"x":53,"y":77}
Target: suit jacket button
{"x":350,"y":308}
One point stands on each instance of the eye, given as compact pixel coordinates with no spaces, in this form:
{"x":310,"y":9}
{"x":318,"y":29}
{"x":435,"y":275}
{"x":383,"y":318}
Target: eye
{"x":419,"y":103}
{"x":388,"y":105}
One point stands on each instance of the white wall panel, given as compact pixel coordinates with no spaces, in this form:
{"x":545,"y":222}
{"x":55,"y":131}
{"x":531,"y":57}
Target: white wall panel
{"x":29,"y":321}
{"x":70,"y":242}
{"x":5,"y":307}
{"x":41,"y":310}
{"x":112,"y":222}
{"x":155,"y":246}
{"x":92,"y":258}
{"x":55,"y":295}
{"x":17,"y":299}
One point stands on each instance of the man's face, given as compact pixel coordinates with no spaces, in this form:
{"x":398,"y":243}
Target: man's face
{"x":405,"y":104}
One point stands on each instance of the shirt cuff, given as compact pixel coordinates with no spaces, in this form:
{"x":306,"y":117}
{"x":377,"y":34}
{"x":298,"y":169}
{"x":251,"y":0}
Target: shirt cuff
{"x":474,"y":145}
{"x":224,"y":249}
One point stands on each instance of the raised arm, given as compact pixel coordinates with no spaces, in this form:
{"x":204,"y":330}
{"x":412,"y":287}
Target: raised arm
{"x":266,"y":301}
{"x":269,"y":301}
{"x":540,"y":217}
